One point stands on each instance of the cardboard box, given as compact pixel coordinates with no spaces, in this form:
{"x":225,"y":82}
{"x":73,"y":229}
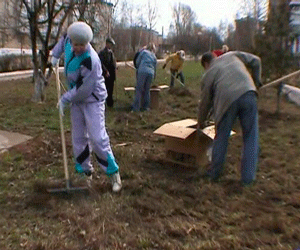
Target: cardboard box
{"x":184,"y":145}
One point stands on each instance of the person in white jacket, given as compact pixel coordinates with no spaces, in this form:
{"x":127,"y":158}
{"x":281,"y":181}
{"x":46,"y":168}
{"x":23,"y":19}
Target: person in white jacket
{"x":86,"y":94}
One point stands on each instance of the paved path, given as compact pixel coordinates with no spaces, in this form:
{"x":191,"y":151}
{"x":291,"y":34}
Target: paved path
{"x":9,"y":139}
{"x":15,"y":75}
{"x":23,"y":74}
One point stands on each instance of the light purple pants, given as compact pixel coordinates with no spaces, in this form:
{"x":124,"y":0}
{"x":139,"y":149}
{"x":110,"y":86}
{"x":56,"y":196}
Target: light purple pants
{"x":89,"y":134}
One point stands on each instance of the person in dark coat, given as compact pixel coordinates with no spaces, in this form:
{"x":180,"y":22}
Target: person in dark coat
{"x":109,"y":67}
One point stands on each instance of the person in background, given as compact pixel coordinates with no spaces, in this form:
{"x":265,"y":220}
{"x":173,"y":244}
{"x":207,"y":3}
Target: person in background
{"x":146,"y":71}
{"x":86,"y":93}
{"x":219,"y":52}
{"x":137,"y":54}
{"x":231,"y":92}
{"x":177,"y":60}
{"x":109,"y":67}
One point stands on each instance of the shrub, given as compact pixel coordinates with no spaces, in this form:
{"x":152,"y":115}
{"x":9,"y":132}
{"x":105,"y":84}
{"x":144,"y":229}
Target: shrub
{"x":11,"y":62}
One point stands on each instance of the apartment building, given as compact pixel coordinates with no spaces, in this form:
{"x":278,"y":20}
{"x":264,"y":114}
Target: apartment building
{"x":295,"y":26}
{"x":294,"y":8}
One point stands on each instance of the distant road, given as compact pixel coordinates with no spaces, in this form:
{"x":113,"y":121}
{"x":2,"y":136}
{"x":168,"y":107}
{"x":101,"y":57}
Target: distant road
{"x":15,"y":75}
{"x":23,"y":74}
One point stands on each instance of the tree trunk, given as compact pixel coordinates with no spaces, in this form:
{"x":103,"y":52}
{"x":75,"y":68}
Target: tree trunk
{"x":38,"y":64}
{"x":39,"y":88}
{"x":41,"y":81}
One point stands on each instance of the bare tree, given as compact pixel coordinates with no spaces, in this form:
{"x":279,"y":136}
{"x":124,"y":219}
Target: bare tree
{"x":133,"y":27}
{"x":184,"y":20}
{"x":256,"y":9}
{"x":123,"y":15}
{"x":112,"y":16}
{"x":137,"y":23}
{"x":230,"y":38}
{"x":41,"y":16}
{"x":44,"y":21}
{"x":98,"y":15}
{"x":222,"y":29}
{"x":127,"y":27}
{"x":151,"y":17}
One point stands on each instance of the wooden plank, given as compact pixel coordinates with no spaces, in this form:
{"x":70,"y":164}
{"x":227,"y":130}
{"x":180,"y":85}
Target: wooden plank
{"x":279,"y":80}
{"x":129,"y":88}
{"x":156,"y":88}
{"x":163,"y":87}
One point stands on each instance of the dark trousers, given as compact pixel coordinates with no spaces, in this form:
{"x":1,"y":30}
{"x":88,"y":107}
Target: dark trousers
{"x":109,"y":83}
{"x":142,"y":92}
{"x":173,"y":75}
{"x":244,"y":108}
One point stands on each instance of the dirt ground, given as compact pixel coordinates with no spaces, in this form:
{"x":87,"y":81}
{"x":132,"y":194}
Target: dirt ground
{"x":162,"y":205}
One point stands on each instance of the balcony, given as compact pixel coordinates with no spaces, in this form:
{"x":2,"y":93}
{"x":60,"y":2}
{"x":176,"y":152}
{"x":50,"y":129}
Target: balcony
{"x":295,"y":16}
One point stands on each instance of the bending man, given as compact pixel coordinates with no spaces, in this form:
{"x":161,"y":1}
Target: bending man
{"x":229,"y":90}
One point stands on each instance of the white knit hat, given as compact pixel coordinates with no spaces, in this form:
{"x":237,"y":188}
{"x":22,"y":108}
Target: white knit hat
{"x":181,"y":54}
{"x":80,"y":32}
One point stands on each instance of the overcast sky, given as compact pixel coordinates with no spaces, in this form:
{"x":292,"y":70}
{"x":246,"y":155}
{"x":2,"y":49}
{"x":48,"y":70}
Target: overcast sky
{"x":209,"y":12}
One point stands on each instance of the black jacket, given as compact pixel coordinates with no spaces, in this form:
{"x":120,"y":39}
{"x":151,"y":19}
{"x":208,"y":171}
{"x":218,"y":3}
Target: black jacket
{"x":108,"y":62}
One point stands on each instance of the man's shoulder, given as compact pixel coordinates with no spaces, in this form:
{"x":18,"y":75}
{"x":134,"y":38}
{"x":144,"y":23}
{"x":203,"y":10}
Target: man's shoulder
{"x":103,"y":51}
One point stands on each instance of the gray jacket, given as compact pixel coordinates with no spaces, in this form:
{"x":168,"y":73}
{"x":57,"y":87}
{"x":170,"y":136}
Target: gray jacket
{"x":225,"y":81}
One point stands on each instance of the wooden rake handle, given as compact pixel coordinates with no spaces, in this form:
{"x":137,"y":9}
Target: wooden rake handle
{"x":62,"y":134}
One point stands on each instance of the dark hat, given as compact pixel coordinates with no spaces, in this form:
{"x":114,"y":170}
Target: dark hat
{"x":110,"y":40}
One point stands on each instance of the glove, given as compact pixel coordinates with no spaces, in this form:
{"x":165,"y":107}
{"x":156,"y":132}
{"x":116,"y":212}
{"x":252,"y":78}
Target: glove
{"x":164,"y":66}
{"x":61,"y":106}
{"x":54,"y":61}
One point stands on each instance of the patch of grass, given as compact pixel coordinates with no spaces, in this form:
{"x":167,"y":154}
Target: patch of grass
{"x":161,"y":206}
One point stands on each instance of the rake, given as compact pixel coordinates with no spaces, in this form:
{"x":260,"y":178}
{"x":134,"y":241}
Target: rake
{"x":176,"y":79}
{"x":68,"y":189}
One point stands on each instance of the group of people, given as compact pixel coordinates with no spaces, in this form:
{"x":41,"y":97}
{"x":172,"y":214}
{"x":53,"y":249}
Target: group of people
{"x":145,"y":63}
{"x":227,"y":88}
